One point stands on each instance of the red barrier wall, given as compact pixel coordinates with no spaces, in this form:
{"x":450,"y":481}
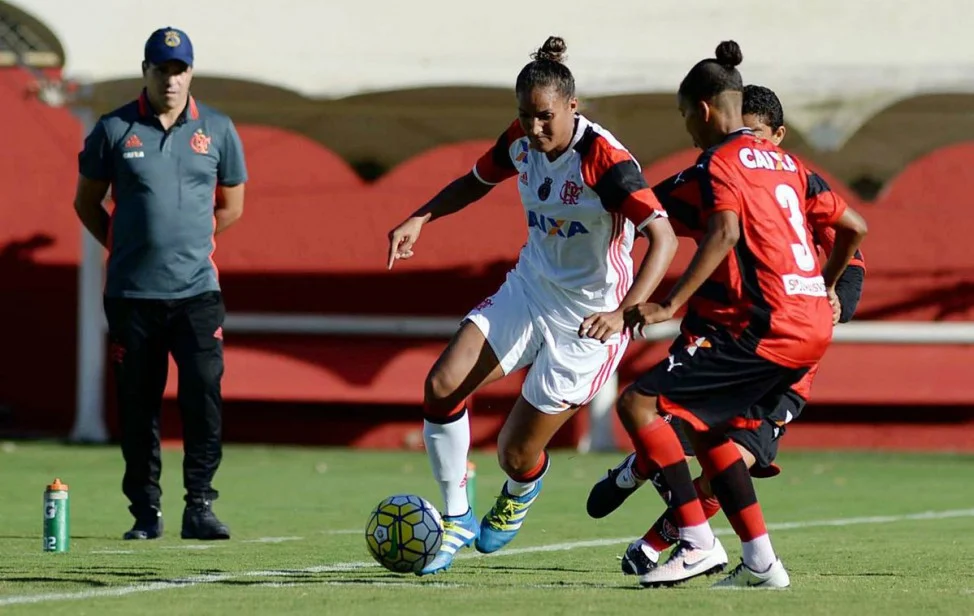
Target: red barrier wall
{"x":313,"y":239}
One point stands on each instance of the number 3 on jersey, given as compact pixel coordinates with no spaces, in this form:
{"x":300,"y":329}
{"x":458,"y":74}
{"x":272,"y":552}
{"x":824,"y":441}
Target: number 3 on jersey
{"x":788,"y":199}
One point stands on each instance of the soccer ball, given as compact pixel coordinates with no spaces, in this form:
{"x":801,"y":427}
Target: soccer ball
{"x":404,"y":533}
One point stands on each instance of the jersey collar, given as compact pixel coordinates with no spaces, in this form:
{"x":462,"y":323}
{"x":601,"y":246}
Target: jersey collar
{"x":581,"y":123}
{"x":191,"y":112}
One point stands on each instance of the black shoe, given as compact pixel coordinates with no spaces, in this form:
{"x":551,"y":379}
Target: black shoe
{"x":636,"y":561}
{"x":607,"y":495}
{"x":199,"y":522}
{"x":148,"y":525}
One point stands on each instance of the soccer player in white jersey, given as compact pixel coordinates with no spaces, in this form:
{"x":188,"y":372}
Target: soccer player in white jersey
{"x":560,"y":311}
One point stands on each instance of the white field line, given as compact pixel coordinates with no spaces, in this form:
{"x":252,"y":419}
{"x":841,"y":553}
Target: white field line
{"x":344,"y":531}
{"x":121,"y":591}
{"x":274,"y":539}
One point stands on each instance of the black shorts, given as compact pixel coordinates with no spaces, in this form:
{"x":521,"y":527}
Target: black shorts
{"x":761,"y":441}
{"x":716,"y":383}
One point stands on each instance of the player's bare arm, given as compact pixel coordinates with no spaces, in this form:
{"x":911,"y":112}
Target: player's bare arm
{"x":723,"y":232}
{"x":662,"y":249}
{"x":88,"y":204}
{"x":229,"y":206}
{"x":457,"y":195}
{"x":850,"y":229}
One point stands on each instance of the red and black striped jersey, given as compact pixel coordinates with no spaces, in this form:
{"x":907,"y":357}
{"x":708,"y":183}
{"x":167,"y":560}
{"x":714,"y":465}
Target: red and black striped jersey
{"x":769,"y":291}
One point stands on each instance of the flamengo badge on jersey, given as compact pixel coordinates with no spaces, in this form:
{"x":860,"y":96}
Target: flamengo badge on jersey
{"x":570,"y":192}
{"x":200,"y":142}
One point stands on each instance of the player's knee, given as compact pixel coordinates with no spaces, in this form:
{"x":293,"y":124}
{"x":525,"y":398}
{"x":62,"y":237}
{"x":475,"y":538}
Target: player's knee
{"x":440,"y":400}
{"x":437,"y":387}
{"x":633,"y":409}
{"x":515,"y":460}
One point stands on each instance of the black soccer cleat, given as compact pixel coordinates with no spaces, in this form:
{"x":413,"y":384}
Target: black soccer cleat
{"x":613,"y":489}
{"x":199,"y":522}
{"x":148,"y":525}
{"x":637,"y":561}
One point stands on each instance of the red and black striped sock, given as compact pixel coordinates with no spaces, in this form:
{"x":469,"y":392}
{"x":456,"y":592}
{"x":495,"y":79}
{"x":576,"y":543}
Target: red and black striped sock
{"x":659,"y":456}
{"x":664,"y":532}
{"x":731,"y":483}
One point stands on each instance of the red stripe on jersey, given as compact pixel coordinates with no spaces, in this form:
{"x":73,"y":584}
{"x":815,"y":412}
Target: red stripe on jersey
{"x":496,"y":165}
{"x":616,"y":178}
{"x":623,"y":275}
{"x":634,"y":206}
{"x":616,"y":259}
{"x":599,"y":157}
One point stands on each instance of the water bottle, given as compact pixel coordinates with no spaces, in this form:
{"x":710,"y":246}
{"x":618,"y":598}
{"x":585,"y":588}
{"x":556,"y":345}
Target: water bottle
{"x":57,"y":529}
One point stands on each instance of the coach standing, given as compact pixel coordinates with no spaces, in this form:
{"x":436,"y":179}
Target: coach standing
{"x":177,"y":174}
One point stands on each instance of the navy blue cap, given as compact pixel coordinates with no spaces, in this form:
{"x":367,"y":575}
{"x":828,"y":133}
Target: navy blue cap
{"x":169,"y":44}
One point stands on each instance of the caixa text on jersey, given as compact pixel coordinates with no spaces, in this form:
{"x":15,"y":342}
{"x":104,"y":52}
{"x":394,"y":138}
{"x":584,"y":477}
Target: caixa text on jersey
{"x":555,"y":227}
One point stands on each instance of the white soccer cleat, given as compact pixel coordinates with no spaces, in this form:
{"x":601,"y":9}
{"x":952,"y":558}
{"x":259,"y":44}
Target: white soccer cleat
{"x":743,"y":577}
{"x":686,"y":562}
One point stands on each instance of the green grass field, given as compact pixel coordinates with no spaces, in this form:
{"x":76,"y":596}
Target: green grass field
{"x":848,"y":530}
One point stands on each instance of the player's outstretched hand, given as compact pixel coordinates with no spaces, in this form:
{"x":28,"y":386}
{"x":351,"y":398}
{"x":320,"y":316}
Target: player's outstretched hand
{"x":601,"y":325}
{"x":402,"y":238}
{"x":638,"y":316}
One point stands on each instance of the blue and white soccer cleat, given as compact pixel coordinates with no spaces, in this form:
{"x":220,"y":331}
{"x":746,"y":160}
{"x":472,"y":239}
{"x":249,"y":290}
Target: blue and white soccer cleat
{"x":459,"y":531}
{"x":502,"y":522}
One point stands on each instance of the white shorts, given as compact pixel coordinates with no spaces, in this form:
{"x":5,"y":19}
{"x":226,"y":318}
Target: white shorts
{"x":566,"y":370}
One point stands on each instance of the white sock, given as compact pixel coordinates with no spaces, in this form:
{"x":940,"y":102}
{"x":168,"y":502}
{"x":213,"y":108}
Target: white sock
{"x":700,"y":536}
{"x":447,"y":446}
{"x":518,"y":488}
{"x":758,"y":554}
